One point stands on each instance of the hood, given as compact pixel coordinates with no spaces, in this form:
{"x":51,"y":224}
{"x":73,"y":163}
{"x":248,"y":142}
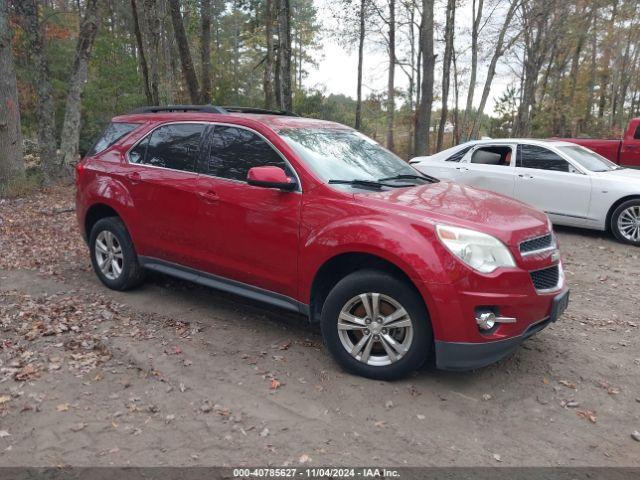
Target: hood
{"x":627,"y":174}
{"x":463,"y":206}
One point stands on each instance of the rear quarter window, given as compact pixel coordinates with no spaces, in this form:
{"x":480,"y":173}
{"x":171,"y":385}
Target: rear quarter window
{"x":114,"y":132}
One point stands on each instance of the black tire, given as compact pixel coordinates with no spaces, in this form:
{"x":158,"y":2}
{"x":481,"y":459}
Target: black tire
{"x":615,"y":229}
{"x":374,"y":281}
{"x":132,"y":273}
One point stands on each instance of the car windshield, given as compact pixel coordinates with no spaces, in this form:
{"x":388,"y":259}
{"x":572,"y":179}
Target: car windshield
{"x":341,"y":154}
{"x":589,"y":159}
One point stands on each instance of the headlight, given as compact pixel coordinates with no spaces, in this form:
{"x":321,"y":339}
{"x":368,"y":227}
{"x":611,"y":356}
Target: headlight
{"x":480,"y":251}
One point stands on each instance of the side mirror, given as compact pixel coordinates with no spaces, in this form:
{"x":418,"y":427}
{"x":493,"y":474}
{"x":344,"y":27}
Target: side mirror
{"x":270,"y":177}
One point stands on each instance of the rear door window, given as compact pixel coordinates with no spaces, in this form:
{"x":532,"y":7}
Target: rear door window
{"x":233,"y":151}
{"x":175,"y":146}
{"x":114,"y":132}
{"x":540,"y":158}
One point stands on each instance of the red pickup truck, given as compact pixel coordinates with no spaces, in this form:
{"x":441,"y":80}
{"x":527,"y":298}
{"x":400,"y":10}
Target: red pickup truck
{"x":625,"y":152}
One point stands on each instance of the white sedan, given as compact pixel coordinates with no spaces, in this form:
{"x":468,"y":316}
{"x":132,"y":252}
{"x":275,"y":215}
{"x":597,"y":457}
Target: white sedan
{"x":572,"y":184}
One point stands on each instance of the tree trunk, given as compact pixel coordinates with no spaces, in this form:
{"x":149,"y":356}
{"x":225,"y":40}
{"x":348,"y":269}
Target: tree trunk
{"x":269,"y":94}
{"x":423,"y":117}
{"x":446,"y":68}
{"x":363,"y":5}
{"x":29,"y":11}
{"x":475,"y":30}
{"x":205,"y":52}
{"x":491,"y":72}
{"x":143,"y":59}
{"x":152,"y":29}
{"x":70,"y":137}
{"x":284,"y":55}
{"x":11,"y":160}
{"x":188,"y":70}
{"x":391,"y":87}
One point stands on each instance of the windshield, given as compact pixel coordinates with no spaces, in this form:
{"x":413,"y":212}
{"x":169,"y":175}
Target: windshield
{"x":345,"y":155}
{"x":589,"y":159}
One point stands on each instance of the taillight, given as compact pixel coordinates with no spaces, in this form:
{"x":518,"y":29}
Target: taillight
{"x":79,"y":170}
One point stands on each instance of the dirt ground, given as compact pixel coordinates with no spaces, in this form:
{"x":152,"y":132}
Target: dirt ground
{"x":177,"y":374}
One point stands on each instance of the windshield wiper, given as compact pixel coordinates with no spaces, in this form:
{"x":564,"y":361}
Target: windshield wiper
{"x":411,"y":177}
{"x":359,"y":183}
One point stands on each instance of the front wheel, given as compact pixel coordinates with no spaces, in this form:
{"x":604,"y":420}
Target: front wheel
{"x":625,"y":222}
{"x":376,"y":325}
{"x":113,"y":255}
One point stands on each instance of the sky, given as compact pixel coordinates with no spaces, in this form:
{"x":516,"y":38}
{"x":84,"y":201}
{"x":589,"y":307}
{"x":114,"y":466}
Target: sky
{"x":338,"y":67}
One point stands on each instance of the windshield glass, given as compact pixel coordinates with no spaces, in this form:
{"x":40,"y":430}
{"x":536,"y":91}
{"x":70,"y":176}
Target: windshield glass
{"x":344,"y":154}
{"x":589,"y":159}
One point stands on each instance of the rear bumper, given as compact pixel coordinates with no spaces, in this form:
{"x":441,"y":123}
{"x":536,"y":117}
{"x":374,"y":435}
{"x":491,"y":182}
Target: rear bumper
{"x":461,"y":356}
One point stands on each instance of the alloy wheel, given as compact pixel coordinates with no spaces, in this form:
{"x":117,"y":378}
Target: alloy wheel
{"x":109,"y":256}
{"x":629,"y":223}
{"x":375,"y":329}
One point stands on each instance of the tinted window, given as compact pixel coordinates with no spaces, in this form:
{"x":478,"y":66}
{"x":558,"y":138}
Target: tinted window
{"x":137,"y":153}
{"x":173,"y":146}
{"x":113,"y":133}
{"x":532,"y":156}
{"x":637,"y":134}
{"x":233,"y":151}
{"x":456,"y":157}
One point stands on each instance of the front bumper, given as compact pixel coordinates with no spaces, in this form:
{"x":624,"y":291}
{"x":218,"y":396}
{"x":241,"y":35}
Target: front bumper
{"x":462,"y":356}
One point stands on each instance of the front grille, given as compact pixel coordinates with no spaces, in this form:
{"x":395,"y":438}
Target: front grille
{"x":536,"y":244}
{"x":547,"y":278}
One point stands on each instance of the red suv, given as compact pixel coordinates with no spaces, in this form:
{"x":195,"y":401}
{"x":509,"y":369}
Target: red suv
{"x":314,"y":217}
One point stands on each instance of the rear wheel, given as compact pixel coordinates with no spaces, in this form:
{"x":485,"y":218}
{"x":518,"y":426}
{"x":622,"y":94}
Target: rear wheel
{"x":625,"y":222}
{"x":113,"y":256}
{"x":376,"y":325}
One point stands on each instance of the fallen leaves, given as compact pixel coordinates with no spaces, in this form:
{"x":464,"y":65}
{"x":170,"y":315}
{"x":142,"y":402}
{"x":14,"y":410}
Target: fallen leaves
{"x":4,"y":433}
{"x":568,"y":384}
{"x":63,"y":407}
{"x":28,"y":372}
{"x":275,"y":384}
{"x":588,"y":415}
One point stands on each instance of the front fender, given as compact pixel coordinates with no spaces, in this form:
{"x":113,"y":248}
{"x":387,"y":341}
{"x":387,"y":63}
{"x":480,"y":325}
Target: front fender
{"x":401,"y":242}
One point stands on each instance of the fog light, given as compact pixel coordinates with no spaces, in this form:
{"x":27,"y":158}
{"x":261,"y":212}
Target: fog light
{"x":486,"y":320}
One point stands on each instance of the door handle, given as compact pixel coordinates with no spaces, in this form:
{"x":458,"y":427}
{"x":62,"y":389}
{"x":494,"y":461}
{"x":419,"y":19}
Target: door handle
{"x":522,"y":175}
{"x":462,"y":169}
{"x":134,"y":177}
{"x":209,"y":196}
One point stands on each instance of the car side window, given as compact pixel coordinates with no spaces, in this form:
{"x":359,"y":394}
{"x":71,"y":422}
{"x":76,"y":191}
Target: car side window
{"x":233,"y":151}
{"x":492,"y":155}
{"x":456,"y":157}
{"x":540,"y":158}
{"x":174,"y":146}
{"x":636,"y":135}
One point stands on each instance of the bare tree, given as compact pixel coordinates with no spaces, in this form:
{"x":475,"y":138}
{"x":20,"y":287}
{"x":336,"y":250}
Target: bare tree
{"x":391,"y":88}
{"x":188,"y":69}
{"x":70,"y":137}
{"x":423,"y":116}
{"x":269,"y":93}
{"x":498,"y":52}
{"x":476,"y":7}
{"x":11,"y":161}
{"x":141,"y":55}
{"x":152,"y":33}
{"x":284,"y":55}
{"x":361,"y":37}
{"x":205,"y":50}
{"x":30,"y":17}
{"x":446,"y":68}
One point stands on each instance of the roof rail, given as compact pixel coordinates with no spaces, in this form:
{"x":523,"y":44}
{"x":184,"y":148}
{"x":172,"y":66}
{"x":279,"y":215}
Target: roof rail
{"x":261,"y":111}
{"x":180,"y":108}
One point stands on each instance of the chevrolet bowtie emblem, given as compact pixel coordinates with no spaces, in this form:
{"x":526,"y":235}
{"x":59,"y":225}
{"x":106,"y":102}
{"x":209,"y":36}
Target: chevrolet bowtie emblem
{"x":555,"y":255}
